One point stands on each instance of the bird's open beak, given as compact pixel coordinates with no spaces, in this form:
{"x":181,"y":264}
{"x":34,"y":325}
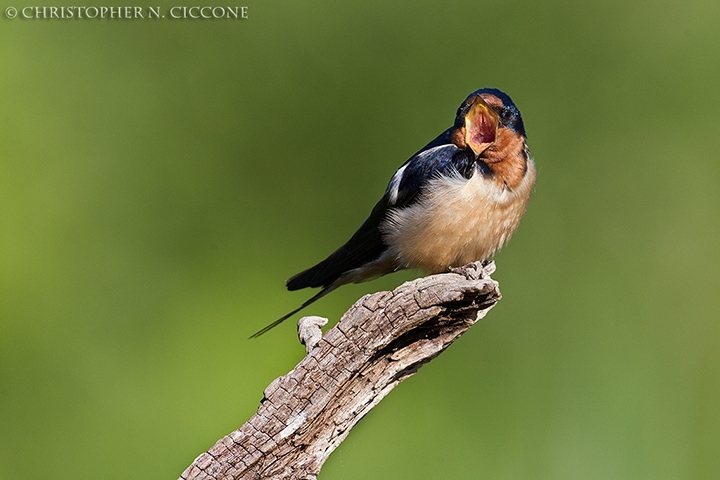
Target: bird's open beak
{"x":481,"y":125}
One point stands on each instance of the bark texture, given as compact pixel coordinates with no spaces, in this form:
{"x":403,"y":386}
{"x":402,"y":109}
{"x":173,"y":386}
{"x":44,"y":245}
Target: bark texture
{"x":383,"y":339}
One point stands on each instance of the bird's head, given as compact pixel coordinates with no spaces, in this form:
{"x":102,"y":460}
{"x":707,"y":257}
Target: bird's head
{"x":487,"y":122}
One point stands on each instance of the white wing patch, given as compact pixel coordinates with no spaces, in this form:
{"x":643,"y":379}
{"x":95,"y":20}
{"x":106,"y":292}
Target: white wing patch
{"x":394,"y":187}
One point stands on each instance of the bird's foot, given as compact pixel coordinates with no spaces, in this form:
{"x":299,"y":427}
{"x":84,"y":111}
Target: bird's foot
{"x":475,"y":270}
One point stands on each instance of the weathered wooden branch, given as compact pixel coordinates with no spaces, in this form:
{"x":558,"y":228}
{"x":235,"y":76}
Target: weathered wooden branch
{"x":382,"y":340}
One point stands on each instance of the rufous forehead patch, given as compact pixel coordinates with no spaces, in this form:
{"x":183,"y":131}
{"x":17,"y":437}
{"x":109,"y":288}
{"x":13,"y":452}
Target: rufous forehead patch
{"x":492,"y":100}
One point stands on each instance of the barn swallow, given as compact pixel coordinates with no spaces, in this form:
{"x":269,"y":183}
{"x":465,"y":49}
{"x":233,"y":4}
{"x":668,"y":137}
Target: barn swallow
{"x":458,"y":200}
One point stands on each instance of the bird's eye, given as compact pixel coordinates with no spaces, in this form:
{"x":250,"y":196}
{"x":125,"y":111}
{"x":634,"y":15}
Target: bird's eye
{"x":506,"y":114}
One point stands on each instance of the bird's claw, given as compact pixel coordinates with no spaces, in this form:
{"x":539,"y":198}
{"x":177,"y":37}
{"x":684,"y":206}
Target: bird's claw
{"x":475,"y":270}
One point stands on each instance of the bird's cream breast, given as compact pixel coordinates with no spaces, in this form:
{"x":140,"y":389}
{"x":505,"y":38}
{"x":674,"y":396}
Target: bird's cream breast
{"x":457,"y":221}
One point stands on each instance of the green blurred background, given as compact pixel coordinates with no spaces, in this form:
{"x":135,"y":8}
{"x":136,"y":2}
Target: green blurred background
{"x":160,"y":179}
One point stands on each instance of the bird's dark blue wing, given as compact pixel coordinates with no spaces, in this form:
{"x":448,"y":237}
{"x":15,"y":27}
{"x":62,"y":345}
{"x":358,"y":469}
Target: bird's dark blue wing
{"x":437,"y":158}
{"x":364,"y":246}
{"x":411,"y":179}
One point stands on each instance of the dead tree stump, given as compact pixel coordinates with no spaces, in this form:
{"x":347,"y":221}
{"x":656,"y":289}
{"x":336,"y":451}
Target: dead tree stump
{"x":382,"y":340}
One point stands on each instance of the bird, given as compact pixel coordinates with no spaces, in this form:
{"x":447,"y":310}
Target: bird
{"x":457,"y":200}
